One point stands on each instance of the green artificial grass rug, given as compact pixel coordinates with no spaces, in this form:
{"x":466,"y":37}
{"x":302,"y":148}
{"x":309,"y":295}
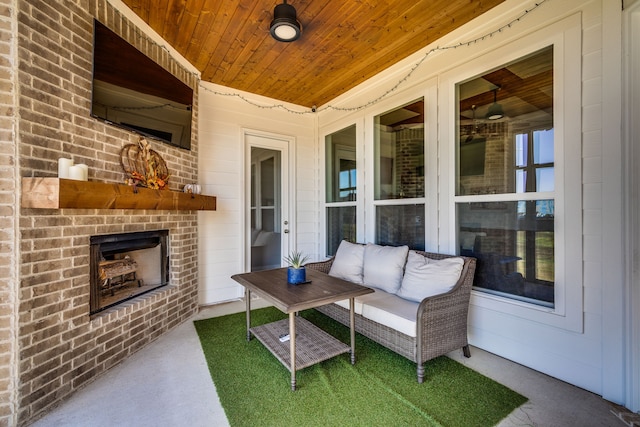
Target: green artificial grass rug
{"x":379,"y":390}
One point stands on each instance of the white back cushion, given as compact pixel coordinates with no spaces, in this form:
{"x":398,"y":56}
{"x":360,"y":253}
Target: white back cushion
{"x":348,"y":262}
{"x":425,"y":277}
{"x":383,"y":266}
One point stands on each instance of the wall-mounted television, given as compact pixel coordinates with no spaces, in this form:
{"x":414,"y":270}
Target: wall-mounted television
{"x":133,"y":92}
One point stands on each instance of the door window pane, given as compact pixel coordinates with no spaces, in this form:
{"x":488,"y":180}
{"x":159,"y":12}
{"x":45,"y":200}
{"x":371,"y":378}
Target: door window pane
{"x":267,"y":182}
{"x":266,"y":188}
{"x":268,"y":219}
{"x":399,"y":152}
{"x":400,"y":225}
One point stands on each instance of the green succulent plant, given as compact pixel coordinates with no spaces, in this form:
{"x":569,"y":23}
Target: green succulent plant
{"x":296,"y":259}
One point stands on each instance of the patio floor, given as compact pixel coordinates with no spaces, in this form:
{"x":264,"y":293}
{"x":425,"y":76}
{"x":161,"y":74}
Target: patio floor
{"x":168,"y":384}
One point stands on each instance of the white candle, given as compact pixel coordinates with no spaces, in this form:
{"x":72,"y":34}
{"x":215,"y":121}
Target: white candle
{"x":76,"y":172}
{"x":85,"y":171}
{"x":63,"y":167}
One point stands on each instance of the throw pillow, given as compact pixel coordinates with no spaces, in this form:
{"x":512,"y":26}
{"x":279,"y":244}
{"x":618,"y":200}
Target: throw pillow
{"x":383,"y":266}
{"x":425,"y":277}
{"x":348,"y":262}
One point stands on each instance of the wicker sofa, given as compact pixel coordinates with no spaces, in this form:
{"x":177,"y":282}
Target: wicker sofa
{"x":440,"y":324}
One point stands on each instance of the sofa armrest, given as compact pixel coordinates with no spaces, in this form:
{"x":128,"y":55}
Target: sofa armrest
{"x":323,"y":266}
{"x":442,"y":319}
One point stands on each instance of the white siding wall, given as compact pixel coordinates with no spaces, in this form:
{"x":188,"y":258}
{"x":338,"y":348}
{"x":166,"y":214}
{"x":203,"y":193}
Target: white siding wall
{"x":631,"y":111}
{"x":590,"y":357}
{"x":221,"y":173}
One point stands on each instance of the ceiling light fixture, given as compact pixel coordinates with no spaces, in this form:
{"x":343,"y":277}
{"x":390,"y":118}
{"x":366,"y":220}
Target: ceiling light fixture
{"x":285,"y":26}
{"x":495,"y":110}
{"x":474,"y":136}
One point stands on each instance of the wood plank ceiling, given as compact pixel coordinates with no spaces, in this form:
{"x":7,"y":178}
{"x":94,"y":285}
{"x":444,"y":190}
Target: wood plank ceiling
{"x":343,"y":42}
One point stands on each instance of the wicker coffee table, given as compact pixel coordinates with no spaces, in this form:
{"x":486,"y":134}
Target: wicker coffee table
{"x":306,"y":343}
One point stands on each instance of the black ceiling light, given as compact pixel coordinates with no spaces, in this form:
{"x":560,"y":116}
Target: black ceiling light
{"x":495,"y":110}
{"x":285,"y":26}
{"x":474,"y":136}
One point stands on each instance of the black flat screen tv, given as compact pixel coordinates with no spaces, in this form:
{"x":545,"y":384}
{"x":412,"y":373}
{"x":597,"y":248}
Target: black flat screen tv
{"x":133,"y":92}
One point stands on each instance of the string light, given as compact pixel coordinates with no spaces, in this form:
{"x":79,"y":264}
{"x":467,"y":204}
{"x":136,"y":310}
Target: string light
{"x":388,"y":92}
{"x":398,"y":84}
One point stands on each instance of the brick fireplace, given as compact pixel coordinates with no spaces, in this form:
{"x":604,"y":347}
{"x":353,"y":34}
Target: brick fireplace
{"x":60,"y":346}
{"x":125,"y":265}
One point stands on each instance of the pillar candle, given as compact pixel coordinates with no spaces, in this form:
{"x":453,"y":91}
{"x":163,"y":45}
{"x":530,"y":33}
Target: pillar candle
{"x":63,"y":167}
{"x":76,"y":172}
{"x":85,"y":171}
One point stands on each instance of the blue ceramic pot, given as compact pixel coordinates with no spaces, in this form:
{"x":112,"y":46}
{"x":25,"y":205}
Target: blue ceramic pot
{"x":296,"y":275}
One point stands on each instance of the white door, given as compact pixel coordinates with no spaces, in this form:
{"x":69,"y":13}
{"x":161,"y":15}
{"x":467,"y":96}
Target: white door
{"x":267,"y":219}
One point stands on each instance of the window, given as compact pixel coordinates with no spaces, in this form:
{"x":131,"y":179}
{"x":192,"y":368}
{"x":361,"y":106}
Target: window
{"x":341,"y":173}
{"x":265,"y":184}
{"x":505,"y":180}
{"x":534,"y":159}
{"x":399,"y":183}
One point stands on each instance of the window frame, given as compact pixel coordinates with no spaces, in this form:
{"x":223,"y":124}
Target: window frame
{"x":359,"y":202}
{"x":565,"y":36}
{"x":376,"y":201}
{"x":428,"y":91}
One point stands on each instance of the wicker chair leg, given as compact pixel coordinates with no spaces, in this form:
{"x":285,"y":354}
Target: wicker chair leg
{"x":420,"y":373}
{"x":466,"y":351}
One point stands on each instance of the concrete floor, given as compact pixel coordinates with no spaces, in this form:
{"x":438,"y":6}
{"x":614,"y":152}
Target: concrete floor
{"x":168,"y":384}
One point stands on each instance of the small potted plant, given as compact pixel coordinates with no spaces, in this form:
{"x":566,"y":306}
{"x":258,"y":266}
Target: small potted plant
{"x":296,"y":273}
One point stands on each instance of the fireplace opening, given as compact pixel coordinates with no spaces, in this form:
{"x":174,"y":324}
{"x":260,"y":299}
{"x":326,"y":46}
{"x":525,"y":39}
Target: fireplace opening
{"x":126,"y":265}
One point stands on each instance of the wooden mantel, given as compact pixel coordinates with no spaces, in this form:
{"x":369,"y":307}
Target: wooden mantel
{"x":57,"y":193}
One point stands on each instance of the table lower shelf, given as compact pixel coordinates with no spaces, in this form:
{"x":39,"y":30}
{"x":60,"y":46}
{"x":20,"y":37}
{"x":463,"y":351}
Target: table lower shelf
{"x":313,"y":345}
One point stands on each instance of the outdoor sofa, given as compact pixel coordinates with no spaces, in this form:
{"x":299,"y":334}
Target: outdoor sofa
{"x":421,"y":301}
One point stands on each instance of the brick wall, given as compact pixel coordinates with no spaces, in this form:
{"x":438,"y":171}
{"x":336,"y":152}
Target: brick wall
{"x":410,"y":162}
{"x":498,"y":161}
{"x":60,"y":347}
{"x":8,"y":219}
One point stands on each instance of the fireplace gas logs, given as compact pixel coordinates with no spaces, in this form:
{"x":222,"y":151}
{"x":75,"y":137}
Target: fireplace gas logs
{"x":118,"y":274}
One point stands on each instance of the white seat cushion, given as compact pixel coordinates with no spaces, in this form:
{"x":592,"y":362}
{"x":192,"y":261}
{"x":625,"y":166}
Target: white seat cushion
{"x":348,"y":262}
{"x":392,"y":311}
{"x":360,"y":301}
{"x":345,"y":304}
{"x":383,"y":266}
{"x":425,"y":277}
